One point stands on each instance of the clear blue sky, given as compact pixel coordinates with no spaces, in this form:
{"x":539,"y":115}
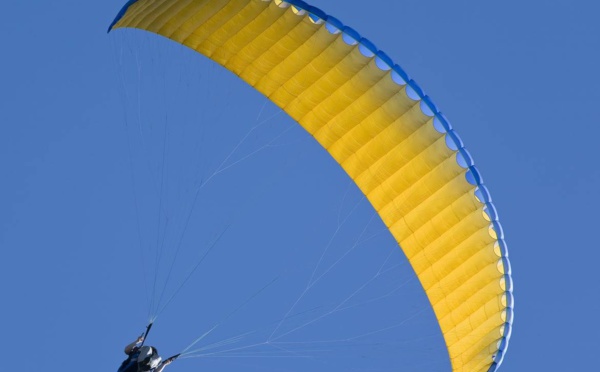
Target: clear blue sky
{"x":518,"y":81}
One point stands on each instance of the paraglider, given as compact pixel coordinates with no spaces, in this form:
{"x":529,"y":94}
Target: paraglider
{"x":384,"y":131}
{"x":141,"y":358}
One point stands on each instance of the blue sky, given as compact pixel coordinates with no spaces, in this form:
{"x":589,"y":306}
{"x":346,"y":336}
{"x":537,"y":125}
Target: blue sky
{"x":79,"y":220}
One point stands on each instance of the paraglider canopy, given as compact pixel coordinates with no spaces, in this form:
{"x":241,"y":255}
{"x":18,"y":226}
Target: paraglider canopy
{"x":388,"y":136}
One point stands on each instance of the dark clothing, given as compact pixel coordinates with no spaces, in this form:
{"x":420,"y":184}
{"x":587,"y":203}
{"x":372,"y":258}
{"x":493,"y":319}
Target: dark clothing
{"x":130,"y":364}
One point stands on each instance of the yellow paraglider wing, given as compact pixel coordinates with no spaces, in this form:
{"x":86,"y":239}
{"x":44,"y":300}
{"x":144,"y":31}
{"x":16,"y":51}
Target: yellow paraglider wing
{"x":386,"y":134}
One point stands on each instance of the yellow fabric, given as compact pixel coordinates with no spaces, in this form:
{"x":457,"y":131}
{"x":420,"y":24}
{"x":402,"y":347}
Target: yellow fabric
{"x":376,"y":133}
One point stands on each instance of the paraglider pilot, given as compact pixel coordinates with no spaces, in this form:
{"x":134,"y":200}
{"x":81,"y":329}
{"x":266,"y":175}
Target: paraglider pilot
{"x":142,"y":358}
